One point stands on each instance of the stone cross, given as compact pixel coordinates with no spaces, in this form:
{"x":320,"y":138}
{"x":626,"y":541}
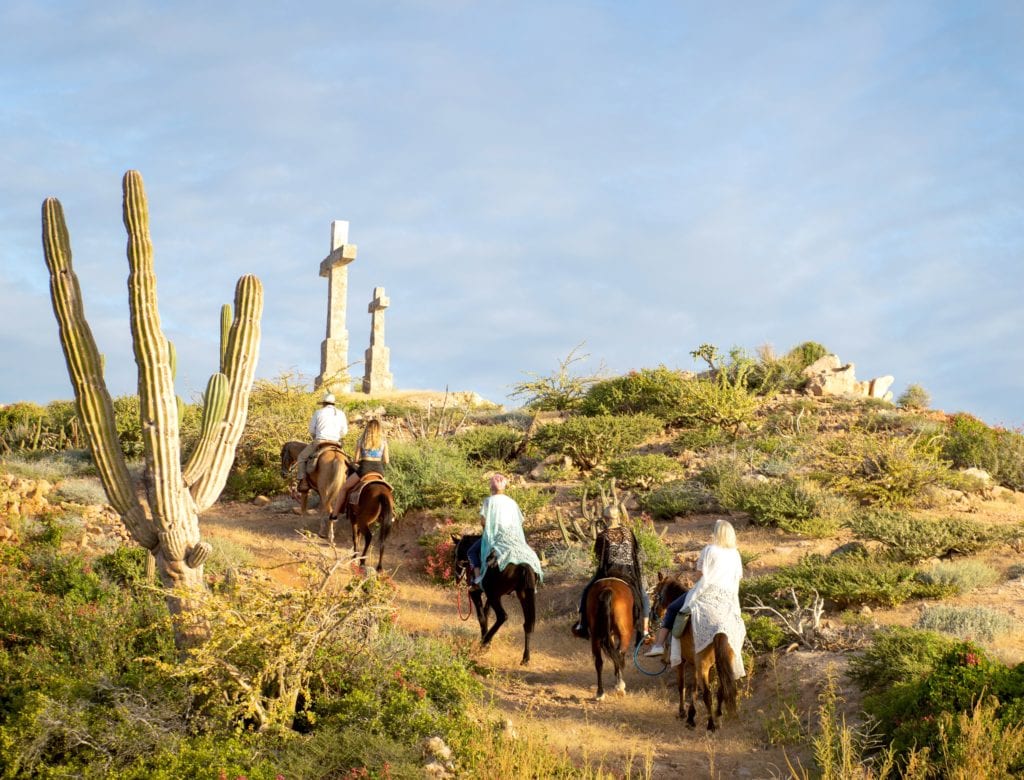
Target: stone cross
{"x":378,"y":375}
{"x":334,"y":349}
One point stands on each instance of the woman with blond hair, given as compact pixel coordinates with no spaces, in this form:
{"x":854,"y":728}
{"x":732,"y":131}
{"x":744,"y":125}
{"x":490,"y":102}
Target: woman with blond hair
{"x":720,"y":570}
{"x":371,"y":457}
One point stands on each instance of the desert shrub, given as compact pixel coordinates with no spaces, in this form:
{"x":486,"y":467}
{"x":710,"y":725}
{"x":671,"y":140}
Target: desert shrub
{"x":680,"y":497}
{"x":432,"y":474}
{"x":531,"y":500}
{"x":82,"y":490}
{"x":720,"y":402}
{"x":845,"y":581}
{"x":914,"y":397}
{"x":724,"y":478}
{"x":700,"y":438}
{"x":245,"y":483}
{"x":924,"y":710}
{"x":125,"y":565}
{"x":890,"y":471}
{"x":912,"y":539}
{"x":896,"y":655}
{"x":593,"y":441}
{"x":489,"y":443}
{"x":654,"y":554}
{"x":979,"y":623}
{"x":970,"y":443}
{"x":439,"y":550}
{"x":1015,"y":571}
{"x":29,"y":427}
{"x":560,"y":391}
{"x":791,"y":504}
{"x":763,"y":633}
{"x":652,"y":391}
{"x":960,"y":576}
{"x":643,"y":472}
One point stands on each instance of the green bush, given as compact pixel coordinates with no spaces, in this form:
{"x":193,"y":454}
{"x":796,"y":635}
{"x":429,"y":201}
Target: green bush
{"x":897,"y":655}
{"x":654,"y":391}
{"x":531,"y":500}
{"x":977,"y":623}
{"x":124,"y":566}
{"x":914,"y":397}
{"x":793,"y":505}
{"x":489,"y":443}
{"x":720,"y":402}
{"x":654,"y":554}
{"x":560,"y":391}
{"x":970,"y":443}
{"x":433,"y":474}
{"x":920,"y":711}
{"x":845,"y":581}
{"x":960,"y":576}
{"x":593,"y":441}
{"x":680,"y":497}
{"x":763,"y":633}
{"x":244,"y":484}
{"x":700,"y":438}
{"x":888,"y":471}
{"x":914,"y":539}
{"x":643,"y":472}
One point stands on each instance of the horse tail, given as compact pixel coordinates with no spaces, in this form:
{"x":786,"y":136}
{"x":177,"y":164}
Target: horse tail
{"x":605,"y":622}
{"x":387,"y":514}
{"x":726,"y":676}
{"x":529,"y":586}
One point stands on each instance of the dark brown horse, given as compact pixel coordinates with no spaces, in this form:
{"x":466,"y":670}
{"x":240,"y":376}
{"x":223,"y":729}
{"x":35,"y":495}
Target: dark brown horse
{"x":610,"y":617}
{"x":376,"y":502}
{"x":694,"y":673}
{"x":516,"y":577}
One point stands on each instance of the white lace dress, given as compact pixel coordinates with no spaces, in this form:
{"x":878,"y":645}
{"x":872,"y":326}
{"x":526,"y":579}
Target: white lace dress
{"x":714,"y":603}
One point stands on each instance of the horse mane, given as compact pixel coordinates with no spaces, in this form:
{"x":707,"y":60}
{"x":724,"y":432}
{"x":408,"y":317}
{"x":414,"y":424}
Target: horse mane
{"x":670,"y":588}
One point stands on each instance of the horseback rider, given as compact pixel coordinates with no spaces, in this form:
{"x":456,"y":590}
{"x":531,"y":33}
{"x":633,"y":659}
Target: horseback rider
{"x":371,"y":457}
{"x":503,"y":536}
{"x":616,"y":550}
{"x":328,"y":424}
{"x":716,"y":592}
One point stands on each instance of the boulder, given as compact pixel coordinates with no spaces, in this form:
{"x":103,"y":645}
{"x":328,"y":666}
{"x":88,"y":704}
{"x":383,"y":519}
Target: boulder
{"x":829,"y":376}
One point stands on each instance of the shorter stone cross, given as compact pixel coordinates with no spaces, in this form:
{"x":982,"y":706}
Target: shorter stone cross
{"x":378,"y":375}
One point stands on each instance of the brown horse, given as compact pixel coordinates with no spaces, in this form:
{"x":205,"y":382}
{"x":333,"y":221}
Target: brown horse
{"x":694,"y":673}
{"x":516,"y":577}
{"x":610,"y":617}
{"x":326,"y":478}
{"x":376,"y":502}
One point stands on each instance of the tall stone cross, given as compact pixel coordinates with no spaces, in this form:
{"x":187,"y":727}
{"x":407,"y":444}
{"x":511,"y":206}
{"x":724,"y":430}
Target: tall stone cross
{"x":334,"y":349}
{"x":378,"y":375}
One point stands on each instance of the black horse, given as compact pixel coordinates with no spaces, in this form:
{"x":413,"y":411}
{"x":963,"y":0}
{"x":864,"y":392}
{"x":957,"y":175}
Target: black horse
{"x":516,"y":577}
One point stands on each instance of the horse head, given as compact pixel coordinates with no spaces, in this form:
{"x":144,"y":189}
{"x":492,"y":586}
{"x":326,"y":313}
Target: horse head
{"x":461,"y":555}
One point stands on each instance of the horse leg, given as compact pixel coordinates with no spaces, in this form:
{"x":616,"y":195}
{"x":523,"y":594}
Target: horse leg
{"x":385,"y":527}
{"x":481,"y":610}
{"x":691,"y":686}
{"x":500,"y":616}
{"x":595,"y":648}
{"x":527,"y":600}
{"x":704,"y":683}
{"x":367,"y":541}
{"x":331,"y":520}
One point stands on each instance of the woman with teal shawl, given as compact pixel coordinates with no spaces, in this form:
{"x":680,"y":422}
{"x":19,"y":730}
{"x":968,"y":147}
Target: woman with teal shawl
{"x":503,"y":533}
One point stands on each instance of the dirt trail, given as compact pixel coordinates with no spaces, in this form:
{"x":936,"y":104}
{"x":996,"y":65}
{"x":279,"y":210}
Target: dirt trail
{"x":554,"y":694}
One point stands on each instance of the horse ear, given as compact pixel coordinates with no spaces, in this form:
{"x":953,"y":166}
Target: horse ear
{"x":661,"y":576}
{"x":456,"y":539}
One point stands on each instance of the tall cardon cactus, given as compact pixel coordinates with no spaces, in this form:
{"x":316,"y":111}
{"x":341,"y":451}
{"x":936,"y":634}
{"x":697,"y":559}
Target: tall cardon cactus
{"x":162,"y":511}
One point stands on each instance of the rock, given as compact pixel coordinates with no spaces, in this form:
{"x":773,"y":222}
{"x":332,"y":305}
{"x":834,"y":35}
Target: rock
{"x":435,"y":769}
{"x":865,"y":610}
{"x":822,"y":365}
{"x":436,"y":747}
{"x":261,"y":501}
{"x":509,"y":729}
{"x":977,"y":473}
{"x":6,"y":534}
{"x":296,"y":510}
{"x":838,"y":381}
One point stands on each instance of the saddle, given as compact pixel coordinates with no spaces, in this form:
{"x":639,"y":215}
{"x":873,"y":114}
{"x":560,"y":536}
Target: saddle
{"x":366,"y":479}
{"x":321,"y":448}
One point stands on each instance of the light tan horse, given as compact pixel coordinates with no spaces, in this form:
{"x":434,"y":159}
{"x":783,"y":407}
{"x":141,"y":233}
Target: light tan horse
{"x":694,"y":673}
{"x":326,"y":478}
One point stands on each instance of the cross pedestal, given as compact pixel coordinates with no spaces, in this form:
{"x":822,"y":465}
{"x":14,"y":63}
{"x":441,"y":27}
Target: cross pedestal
{"x":378,"y":374}
{"x":334,"y":349}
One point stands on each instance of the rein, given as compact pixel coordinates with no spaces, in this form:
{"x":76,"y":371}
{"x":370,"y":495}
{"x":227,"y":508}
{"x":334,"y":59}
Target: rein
{"x":458,"y":599}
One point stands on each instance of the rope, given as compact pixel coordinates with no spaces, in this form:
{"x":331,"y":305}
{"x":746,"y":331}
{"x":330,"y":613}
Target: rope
{"x":636,"y":662}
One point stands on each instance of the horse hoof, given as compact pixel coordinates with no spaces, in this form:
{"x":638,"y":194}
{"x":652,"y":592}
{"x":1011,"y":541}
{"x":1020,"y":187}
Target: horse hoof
{"x":599,"y":697}
{"x":525,"y":662}
{"x":296,"y":510}
{"x":620,"y":689}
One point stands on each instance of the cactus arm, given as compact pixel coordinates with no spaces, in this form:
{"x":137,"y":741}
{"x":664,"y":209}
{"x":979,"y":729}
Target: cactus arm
{"x":225,"y":332}
{"x":85,"y":368}
{"x":215,"y":403}
{"x":157,"y":405}
{"x":240,"y":364}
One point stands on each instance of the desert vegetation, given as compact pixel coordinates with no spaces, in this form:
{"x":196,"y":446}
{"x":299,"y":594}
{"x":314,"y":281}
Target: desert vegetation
{"x":879,"y":545}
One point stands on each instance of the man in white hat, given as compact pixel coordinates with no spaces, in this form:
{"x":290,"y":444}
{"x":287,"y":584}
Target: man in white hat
{"x":328,"y":424}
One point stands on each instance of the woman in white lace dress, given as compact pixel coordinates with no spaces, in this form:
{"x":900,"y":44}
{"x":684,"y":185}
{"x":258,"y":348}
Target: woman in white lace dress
{"x":717,"y":592}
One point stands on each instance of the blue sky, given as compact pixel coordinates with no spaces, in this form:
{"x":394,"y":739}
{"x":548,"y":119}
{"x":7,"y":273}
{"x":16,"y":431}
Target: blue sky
{"x":522,"y":177}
